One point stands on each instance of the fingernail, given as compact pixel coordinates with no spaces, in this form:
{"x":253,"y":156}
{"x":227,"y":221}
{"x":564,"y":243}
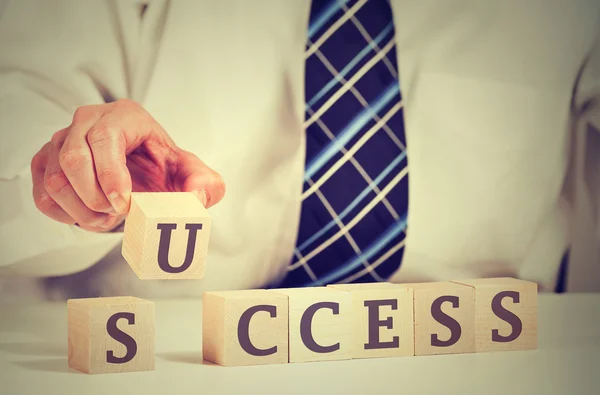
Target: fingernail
{"x":102,"y":222}
{"x":201,"y":195}
{"x":118,"y":202}
{"x":110,"y":211}
{"x":108,"y":223}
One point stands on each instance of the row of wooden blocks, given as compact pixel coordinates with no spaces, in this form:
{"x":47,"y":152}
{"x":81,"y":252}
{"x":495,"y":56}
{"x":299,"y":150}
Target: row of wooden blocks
{"x":336,"y":322}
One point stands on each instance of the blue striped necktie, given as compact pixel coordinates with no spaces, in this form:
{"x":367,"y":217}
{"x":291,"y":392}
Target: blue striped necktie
{"x":355,"y":194}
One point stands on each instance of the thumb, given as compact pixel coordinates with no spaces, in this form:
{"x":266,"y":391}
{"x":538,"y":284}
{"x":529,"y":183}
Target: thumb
{"x":195,"y":176}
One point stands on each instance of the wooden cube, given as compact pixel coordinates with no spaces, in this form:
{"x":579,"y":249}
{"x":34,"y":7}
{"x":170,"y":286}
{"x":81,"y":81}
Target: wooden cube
{"x":444,"y":318}
{"x":110,"y":335}
{"x":245,"y":327}
{"x":320,"y":324}
{"x":383,"y":319}
{"x":166,"y":235}
{"x":505,"y":314}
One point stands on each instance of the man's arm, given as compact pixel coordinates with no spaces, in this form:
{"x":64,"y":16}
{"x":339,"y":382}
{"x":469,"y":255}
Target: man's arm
{"x":54,"y":57}
{"x":68,"y":104}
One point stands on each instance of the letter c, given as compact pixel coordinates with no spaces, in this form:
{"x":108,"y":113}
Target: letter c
{"x":306,"y":327}
{"x":244,"y":330}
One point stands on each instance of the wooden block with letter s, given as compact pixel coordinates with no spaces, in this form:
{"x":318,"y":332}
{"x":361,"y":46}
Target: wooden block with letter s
{"x":320,"y":324}
{"x":444,"y":318}
{"x":166,"y":235}
{"x":110,"y":335}
{"x":247,"y":327}
{"x":383,"y":319}
{"x":506,"y":314}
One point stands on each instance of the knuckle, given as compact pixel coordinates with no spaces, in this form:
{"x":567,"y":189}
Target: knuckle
{"x":100,"y":135}
{"x":37,"y":162}
{"x":73,"y":159}
{"x":82,"y":113}
{"x":127,"y":104}
{"x":107,"y":175}
{"x":58,"y":137}
{"x":98,"y":205}
{"x":218,"y":185}
{"x":55,"y":182}
{"x":45,"y":203}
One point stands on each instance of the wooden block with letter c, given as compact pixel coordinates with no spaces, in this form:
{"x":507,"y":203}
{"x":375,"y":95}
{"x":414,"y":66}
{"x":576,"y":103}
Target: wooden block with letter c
{"x":320,"y":324}
{"x":110,"y":335}
{"x":505,"y":313}
{"x":247,"y":327}
{"x":166,"y":235}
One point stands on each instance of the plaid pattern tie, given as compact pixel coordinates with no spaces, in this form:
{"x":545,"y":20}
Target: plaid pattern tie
{"x":355,"y":195}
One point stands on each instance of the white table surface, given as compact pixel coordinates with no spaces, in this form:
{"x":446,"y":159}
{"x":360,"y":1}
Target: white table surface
{"x":33,"y":360}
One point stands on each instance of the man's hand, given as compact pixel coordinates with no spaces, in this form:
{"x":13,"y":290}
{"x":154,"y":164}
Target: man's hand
{"x":86,"y":173}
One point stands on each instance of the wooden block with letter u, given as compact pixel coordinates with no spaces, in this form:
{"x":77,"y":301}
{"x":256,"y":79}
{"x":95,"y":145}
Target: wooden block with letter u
{"x":383,"y":319}
{"x":110,"y":335}
{"x":166,"y":235}
{"x":245,"y":327}
{"x":506,"y":314}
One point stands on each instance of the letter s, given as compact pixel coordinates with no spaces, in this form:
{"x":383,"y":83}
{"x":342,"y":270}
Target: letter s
{"x":446,"y":320}
{"x":121,"y":337}
{"x":505,"y":315}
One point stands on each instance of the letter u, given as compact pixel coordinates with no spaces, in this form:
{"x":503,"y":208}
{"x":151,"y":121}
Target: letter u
{"x":165,"y":243}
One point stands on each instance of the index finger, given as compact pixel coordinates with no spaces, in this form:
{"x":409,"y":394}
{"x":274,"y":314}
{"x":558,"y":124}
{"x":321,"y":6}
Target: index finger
{"x":107,"y":144}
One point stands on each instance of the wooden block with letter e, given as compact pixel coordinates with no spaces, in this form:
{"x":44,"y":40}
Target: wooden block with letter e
{"x":383,"y":319}
{"x":110,"y":335}
{"x":320,"y":324}
{"x":247,"y":327}
{"x":166,"y":235}
{"x":444,"y":318}
{"x":506,"y":314}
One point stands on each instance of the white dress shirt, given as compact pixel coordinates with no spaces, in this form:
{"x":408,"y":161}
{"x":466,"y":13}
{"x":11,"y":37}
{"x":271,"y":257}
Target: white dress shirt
{"x":501,"y":129}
